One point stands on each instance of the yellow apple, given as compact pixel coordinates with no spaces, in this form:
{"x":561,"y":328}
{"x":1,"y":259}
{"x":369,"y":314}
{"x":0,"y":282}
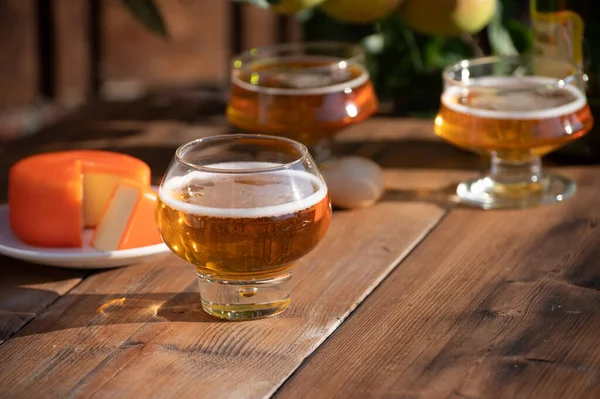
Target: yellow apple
{"x":447,"y":17}
{"x":359,"y":11}
{"x":293,"y":6}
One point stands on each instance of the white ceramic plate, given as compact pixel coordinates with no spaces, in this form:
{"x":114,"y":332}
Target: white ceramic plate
{"x":85,"y":257}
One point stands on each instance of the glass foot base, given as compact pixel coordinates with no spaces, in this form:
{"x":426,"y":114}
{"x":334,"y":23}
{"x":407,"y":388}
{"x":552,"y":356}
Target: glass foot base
{"x":245,"y":300}
{"x":488,"y":194}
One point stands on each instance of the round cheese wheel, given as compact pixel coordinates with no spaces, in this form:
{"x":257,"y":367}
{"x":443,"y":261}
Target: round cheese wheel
{"x":52,"y":196}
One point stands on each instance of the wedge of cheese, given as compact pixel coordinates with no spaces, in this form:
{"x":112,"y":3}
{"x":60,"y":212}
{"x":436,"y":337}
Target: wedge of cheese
{"x":52,"y":196}
{"x":102,"y":172}
{"x":129,"y":219}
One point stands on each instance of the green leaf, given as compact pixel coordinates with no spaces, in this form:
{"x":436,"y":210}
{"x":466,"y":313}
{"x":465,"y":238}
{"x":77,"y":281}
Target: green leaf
{"x":443,"y":51}
{"x":148,"y":14}
{"x":521,"y":35}
{"x":498,"y":36}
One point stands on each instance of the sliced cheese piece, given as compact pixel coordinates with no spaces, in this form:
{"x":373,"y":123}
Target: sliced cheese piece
{"x":97,"y":189}
{"x":50,"y":195}
{"x":129,"y":219}
{"x":102,"y":172}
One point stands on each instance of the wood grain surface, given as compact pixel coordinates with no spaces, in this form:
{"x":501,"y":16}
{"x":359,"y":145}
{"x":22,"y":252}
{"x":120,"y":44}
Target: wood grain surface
{"x":137,"y":331}
{"x":501,"y":304}
{"x":260,"y":27}
{"x":26,"y":290}
{"x":197,"y":49}
{"x":488,"y":304}
{"x":150,"y":128}
{"x":73,"y":66}
{"x":150,"y":321}
{"x":19,"y":57}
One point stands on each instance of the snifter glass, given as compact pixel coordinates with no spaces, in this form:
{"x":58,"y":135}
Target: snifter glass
{"x":304,"y":91}
{"x":243,"y":209}
{"x":515,"y":109}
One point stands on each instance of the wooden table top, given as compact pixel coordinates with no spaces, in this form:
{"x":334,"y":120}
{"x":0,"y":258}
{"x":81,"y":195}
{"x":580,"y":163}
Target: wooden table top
{"x":414,"y":297}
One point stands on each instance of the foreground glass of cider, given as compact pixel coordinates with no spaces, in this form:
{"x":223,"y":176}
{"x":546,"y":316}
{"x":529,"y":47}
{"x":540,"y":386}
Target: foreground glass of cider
{"x":243,"y":209}
{"x":304,"y":91}
{"x":514,"y":109}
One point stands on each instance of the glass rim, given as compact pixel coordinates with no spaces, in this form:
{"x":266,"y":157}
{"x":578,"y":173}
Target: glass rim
{"x":180,"y":153}
{"x":492,"y":59}
{"x":257,"y":53}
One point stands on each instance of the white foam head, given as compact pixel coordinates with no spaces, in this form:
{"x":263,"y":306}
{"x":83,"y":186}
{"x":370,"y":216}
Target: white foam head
{"x":308,"y":83}
{"x":515,"y":105}
{"x":301,"y":190}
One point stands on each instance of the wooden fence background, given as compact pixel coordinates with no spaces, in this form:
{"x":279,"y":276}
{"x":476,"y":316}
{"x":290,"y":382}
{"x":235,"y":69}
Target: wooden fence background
{"x":68,"y":51}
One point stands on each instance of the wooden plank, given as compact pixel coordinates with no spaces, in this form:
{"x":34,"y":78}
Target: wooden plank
{"x":407,"y":145}
{"x":196,"y":51}
{"x":138,"y":331}
{"x":294,"y":31}
{"x":27,"y":290}
{"x":387,"y":129}
{"x":424,"y":185}
{"x":259,"y":27}
{"x":264,"y":28}
{"x":153,"y":127}
{"x":150,"y":128}
{"x":72,"y":51}
{"x":18,"y":63}
{"x":491,"y":304}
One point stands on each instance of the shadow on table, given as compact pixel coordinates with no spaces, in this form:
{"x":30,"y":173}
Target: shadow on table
{"x":419,"y":170}
{"x":31,"y":302}
{"x":413,"y":154}
{"x":444,"y":197}
{"x":20,"y":302}
{"x":90,"y":310}
{"x":113,"y":124}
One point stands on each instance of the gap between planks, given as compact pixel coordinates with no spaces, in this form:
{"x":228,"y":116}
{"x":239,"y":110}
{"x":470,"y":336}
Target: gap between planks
{"x":27,"y":290}
{"x":358,"y":306}
{"x":491,"y":304}
{"x":156,"y":342}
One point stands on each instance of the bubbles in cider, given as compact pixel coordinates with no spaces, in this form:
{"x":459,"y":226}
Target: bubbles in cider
{"x":312,"y":74}
{"x":243,"y":194}
{"x":307,"y":98}
{"x":518,"y":99}
{"x":510,"y":97}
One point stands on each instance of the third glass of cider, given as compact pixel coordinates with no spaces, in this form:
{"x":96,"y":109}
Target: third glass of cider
{"x":569,"y":29}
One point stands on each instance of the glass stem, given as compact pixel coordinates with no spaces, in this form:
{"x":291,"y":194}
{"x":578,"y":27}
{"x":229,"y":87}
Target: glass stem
{"x":524,"y":169}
